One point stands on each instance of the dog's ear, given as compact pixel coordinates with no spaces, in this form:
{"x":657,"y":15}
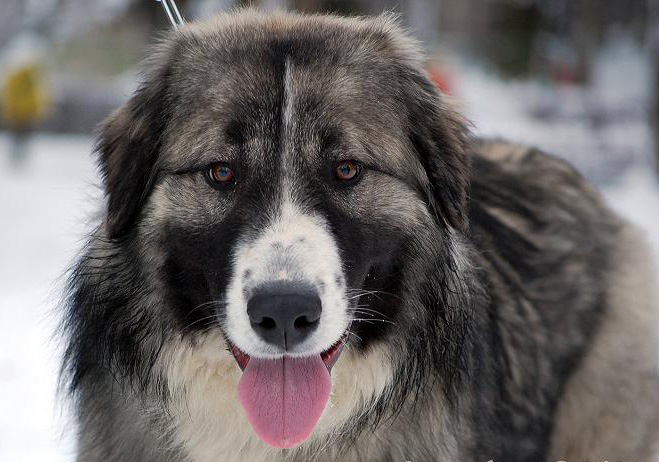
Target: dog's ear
{"x":439,"y":135}
{"x":128,"y":148}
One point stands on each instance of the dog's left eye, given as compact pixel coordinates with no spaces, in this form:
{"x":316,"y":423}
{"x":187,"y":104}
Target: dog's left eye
{"x":221,"y":174}
{"x":347,"y":171}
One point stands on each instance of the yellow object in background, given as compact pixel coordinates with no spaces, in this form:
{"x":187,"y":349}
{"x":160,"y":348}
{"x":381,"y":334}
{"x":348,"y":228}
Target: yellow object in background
{"x":24,"y":100}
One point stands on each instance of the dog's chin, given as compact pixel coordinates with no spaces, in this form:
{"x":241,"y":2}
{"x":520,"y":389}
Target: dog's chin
{"x":284,"y":397}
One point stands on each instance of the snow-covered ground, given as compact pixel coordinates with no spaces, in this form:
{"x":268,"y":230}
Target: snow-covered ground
{"x":44,"y":212}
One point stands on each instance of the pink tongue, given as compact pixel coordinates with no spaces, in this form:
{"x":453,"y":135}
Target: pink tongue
{"x":285,"y":397}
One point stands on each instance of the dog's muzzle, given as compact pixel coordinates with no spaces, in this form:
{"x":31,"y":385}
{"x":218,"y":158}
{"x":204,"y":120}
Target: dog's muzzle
{"x":287,"y":320}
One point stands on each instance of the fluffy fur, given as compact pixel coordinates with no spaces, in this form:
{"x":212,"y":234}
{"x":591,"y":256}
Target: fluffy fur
{"x":497,"y":308}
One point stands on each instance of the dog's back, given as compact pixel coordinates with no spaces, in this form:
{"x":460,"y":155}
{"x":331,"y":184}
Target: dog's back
{"x":574,"y":288}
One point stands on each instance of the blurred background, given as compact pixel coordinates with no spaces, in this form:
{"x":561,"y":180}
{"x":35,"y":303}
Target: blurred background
{"x":578,"y":78}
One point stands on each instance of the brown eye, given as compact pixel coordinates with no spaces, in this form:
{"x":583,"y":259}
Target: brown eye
{"x":347,"y":170}
{"x":221,"y":174}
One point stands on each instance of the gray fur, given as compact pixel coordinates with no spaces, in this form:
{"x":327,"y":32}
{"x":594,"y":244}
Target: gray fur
{"x":525,"y":322}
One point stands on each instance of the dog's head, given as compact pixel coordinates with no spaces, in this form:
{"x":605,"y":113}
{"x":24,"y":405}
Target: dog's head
{"x":293,"y":184}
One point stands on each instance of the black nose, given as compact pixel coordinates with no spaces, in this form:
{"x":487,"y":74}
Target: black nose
{"x":284,"y":314}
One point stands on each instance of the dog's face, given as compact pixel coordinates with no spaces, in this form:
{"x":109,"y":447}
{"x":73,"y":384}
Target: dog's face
{"x":283,"y":177}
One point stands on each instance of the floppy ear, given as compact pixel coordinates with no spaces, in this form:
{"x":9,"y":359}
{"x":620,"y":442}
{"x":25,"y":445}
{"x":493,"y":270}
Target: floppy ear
{"x":439,"y":136}
{"x":128,"y":148}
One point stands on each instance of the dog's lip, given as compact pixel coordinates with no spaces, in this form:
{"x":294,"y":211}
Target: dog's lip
{"x":241,"y":358}
{"x":329,"y":356}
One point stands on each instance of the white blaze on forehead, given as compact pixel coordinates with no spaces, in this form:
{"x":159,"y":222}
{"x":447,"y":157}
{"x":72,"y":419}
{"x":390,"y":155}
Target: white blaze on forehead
{"x":294,"y":246}
{"x":287,"y":112}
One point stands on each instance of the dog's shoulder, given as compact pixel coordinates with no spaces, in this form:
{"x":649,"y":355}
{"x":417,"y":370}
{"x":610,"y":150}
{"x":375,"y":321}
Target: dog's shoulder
{"x":524,"y":162}
{"x":547,"y":237}
{"x":539,"y":215}
{"x":526,"y":185}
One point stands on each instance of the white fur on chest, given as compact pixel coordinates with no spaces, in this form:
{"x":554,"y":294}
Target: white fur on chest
{"x":209,"y":421}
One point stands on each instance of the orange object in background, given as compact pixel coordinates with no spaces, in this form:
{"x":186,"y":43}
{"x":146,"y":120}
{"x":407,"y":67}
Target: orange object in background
{"x":441,"y":79}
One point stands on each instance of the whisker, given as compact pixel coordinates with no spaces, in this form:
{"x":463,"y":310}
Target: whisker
{"x":202,"y":305}
{"x":367,"y":315}
{"x":365,"y":308}
{"x":355,"y":335}
{"x":367,"y":311}
{"x":205,"y":318}
{"x":356,"y":293}
{"x":372,"y":320}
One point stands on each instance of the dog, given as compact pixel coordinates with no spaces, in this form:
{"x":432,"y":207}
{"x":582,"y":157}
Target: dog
{"x":305,"y":255}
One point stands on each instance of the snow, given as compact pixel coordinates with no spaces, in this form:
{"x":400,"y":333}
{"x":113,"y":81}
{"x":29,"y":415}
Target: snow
{"x":601,"y":128}
{"x":45,"y":210}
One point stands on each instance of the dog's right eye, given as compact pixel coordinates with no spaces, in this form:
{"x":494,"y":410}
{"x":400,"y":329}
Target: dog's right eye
{"x":221,"y":175}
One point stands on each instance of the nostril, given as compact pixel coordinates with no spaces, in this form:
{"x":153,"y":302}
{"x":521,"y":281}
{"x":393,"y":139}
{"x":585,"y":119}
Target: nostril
{"x":303,"y":322}
{"x":267,"y":323}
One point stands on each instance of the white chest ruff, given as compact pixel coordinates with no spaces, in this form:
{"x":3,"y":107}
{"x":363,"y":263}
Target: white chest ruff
{"x":210,"y":423}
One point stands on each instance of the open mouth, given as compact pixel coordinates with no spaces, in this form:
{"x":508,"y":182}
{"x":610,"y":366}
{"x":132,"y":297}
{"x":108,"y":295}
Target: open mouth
{"x":285,"y":397}
{"x":329,"y":356}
